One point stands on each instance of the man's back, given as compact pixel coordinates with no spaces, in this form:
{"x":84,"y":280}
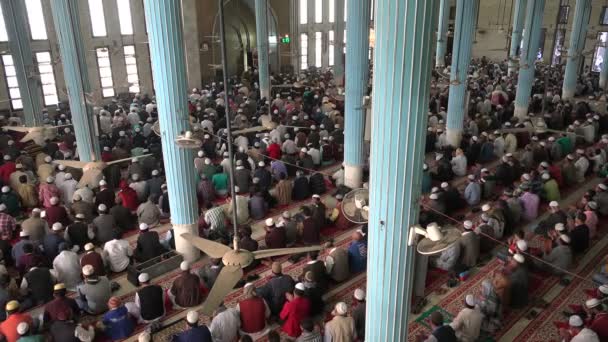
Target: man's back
{"x":195,"y":334}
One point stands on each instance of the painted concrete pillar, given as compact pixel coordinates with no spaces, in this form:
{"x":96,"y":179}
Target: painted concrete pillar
{"x":604,"y":70}
{"x":15,"y":18}
{"x":357,"y":69}
{"x":529,"y":51}
{"x":442,"y":33}
{"x":577,"y":44}
{"x":519,"y":15}
{"x":466,"y":13}
{"x":403,"y":54}
{"x":339,"y":43}
{"x":164,"y":26}
{"x":261,"y":29}
{"x":73,"y":58}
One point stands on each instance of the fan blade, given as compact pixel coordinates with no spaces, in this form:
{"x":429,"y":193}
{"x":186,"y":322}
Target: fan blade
{"x":211,"y":248}
{"x":224,"y":284}
{"x":127,"y":159}
{"x":29,"y":136}
{"x":91,"y":177}
{"x":265,"y":253}
{"x":18,"y":128}
{"x":71,"y":163}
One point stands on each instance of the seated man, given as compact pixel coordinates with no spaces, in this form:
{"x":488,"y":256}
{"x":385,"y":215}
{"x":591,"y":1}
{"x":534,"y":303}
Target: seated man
{"x":195,"y":332}
{"x":148,"y":244}
{"x":440,"y":331}
{"x":467,"y":324}
{"x":117,"y":323}
{"x":186,"y":289}
{"x":150,"y":299}
{"x":94,"y":294}
{"x":357,"y":253}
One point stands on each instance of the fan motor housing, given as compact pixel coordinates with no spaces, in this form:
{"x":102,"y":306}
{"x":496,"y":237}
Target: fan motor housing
{"x":240,"y":258}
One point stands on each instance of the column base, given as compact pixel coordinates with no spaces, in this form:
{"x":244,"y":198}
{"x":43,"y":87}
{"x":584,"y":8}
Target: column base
{"x":453,"y":136}
{"x":567,"y":94}
{"x":353,"y":176}
{"x":520,"y":112}
{"x":440,"y":63}
{"x":182,"y":246}
{"x":265,"y":93}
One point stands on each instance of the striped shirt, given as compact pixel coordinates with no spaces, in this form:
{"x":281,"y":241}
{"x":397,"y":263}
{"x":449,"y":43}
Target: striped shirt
{"x":215,"y":218}
{"x":309,"y":337}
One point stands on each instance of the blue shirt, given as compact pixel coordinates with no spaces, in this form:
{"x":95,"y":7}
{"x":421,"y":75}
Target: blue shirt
{"x":118,"y":323}
{"x":196,"y":334}
{"x":357,"y":257}
{"x":472,"y":193}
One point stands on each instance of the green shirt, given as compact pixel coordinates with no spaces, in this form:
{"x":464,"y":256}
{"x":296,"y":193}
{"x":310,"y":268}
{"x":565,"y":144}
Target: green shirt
{"x":220,"y":181}
{"x":551,"y":190}
{"x":31,"y":338}
{"x":566,"y":144}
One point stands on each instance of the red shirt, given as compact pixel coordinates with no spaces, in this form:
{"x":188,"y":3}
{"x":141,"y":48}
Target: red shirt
{"x":293,"y":313}
{"x":8,"y":328}
{"x":253,"y":315}
{"x":274,"y":151}
{"x":5,"y":171}
{"x":129,"y":198}
{"x":600,"y":326}
{"x":556,"y":173}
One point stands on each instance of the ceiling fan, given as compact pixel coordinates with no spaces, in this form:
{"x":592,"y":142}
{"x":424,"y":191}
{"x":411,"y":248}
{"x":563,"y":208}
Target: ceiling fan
{"x":234,"y":260}
{"x":93,"y":171}
{"x":37,"y":134}
{"x":355,"y":206}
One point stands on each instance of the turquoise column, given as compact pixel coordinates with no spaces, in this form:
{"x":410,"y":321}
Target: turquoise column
{"x":519,"y":15}
{"x":577,"y":44}
{"x":402,"y":69}
{"x":15,"y":18}
{"x":339,"y":43}
{"x":71,"y":48}
{"x":261,"y":29}
{"x":357,"y":71}
{"x":604,"y":70}
{"x":466,"y":13}
{"x":533,"y":25}
{"x":442,"y":33}
{"x":166,"y":39}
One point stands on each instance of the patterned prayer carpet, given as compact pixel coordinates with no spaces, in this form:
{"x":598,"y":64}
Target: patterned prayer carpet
{"x":542,"y":327}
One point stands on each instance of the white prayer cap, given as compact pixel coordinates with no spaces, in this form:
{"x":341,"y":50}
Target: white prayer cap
{"x":554,"y":204}
{"x":50,"y":179}
{"x":286,"y":214}
{"x":468,"y":224}
{"x":143,"y":278}
{"x":121,"y":133}
{"x":575,"y":321}
{"x":444,"y":185}
{"x":22,"y":328}
{"x":103,"y":182}
{"x":603,"y":186}
{"x":535,"y":138}
{"x":54,"y":200}
{"x":522,"y":245}
{"x":6,"y":189}
{"x":135,"y":176}
{"x":603,"y":289}
{"x":68,"y":176}
{"x":201,"y":154}
{"x":475,"y":138}
{"x":438,"y":156}
{"x":544,"y":164}
{"x":316,"y":196}
{"x":551,"y":139}
{"x":89,"y":247}
{"x":486,"y":207}
{"x":106,"y":148}
{"x":57,"y":226}
{"x":261,"y":164}
{"x":542,"y":143}
{"x":48,"y":159}
{"x":592,"y":303}
{"x":592,"y":205}
{"x":359,"y":294}
{"x":192,"y":317}
{"x":519,"y":258}
{"x":580,"y":151}
{"x":2,"y":207}
{"x":425,"y":167}
{"x":206,"y":136}
{"x":565,"y":238}
{"x":269,"y":222}
{"x":526,"y":176}
{"x":560,"y":227}
{"x":80,"y":216}
{"x":23,"y":233}
{"x":102,"y":207}
{"x":570,"y":157}
{"x":18,"y":166}
{"x":433,"y":196}
{"x":545,"y":176}
{"x":341,"y":309}
{"x":154,"y":172}
{"x":184,"y":266}
{"x":88,"y":270}
{"x":10,"y":143}
{"x":301,"y":287}
{"x":469,"y":300}
{"x":61,"y":167}
{"x":226,"y":154}
{"x":471,"y":177}
{"x":143,"y":226}
{"x":303,"y":150}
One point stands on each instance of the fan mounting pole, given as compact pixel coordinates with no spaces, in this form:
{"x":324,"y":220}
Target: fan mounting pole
{"x":228,"y":128}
